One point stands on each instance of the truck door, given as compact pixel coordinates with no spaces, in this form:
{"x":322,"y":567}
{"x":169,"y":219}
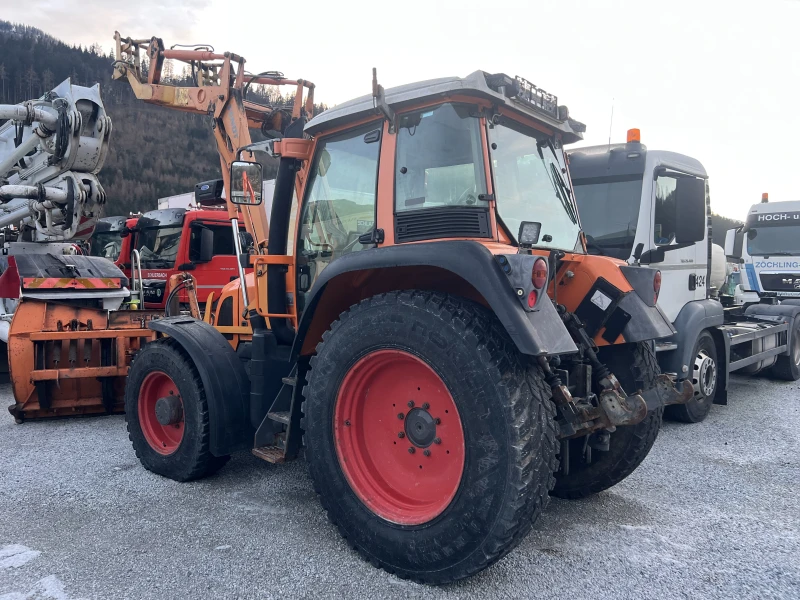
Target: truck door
{"x":213,"y":275}
{"x":683,"y":270}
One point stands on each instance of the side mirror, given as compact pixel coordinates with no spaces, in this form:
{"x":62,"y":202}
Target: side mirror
{"x":656,"y":255}
{"x":206,"y":245}
{"x":691,"y":221}
{"x":734,"y":240}
{"x":246,"y":182}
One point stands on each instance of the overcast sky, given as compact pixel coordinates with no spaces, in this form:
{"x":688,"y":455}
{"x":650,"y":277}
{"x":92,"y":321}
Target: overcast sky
{"x":717,"y":80}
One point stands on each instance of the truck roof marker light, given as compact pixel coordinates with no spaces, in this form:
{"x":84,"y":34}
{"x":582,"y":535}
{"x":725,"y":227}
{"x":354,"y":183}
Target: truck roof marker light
{"x":634,"y":136}
{"x":765,"y":197}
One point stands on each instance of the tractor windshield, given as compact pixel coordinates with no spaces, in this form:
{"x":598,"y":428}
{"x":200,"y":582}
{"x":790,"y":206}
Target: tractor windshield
{"x":158,"y":246}
{"x":531,"y":185}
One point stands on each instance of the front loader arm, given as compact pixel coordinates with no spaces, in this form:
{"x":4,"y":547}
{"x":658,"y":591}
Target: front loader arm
{"x":220,"y":83}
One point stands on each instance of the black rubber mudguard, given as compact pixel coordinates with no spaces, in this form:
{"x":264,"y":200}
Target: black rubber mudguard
{"x":534,"y":333}
{"x":224,"y":378}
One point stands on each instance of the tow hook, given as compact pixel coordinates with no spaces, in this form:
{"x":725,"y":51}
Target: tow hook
{"x":666,"y":392}
{"x":622,"y":410}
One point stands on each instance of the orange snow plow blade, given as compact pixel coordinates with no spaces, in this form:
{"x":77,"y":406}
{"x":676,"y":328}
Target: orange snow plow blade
{"x":68,"y":360}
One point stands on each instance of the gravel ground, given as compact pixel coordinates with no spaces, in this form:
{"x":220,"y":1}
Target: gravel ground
{"x":712,"y":513}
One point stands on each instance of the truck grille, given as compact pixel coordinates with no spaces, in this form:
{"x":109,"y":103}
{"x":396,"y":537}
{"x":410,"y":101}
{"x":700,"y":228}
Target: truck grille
{"x":780,"y":282}
{"x":435,"y":223}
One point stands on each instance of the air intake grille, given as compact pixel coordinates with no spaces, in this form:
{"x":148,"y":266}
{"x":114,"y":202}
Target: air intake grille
{"x":434,"y":223}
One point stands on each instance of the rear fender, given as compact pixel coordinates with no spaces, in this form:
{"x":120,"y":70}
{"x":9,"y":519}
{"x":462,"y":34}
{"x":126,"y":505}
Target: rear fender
{"x":470,"y":264}
{"x":224,"y":379}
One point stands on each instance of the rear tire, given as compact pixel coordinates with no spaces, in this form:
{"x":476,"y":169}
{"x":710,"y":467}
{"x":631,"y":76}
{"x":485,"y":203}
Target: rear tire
{"x":629,"y":445}
{"x":162,"y":368}
{"x":787,"y":367}
{"x":483,"y":497}
{"x":705,"y":379}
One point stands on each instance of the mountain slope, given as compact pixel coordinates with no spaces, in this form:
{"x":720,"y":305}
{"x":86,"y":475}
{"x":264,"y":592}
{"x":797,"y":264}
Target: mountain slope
{"x":154,"y":152}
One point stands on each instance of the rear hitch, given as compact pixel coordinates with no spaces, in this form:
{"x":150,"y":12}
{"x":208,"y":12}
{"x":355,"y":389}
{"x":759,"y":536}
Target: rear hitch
{"x":666,"y":392}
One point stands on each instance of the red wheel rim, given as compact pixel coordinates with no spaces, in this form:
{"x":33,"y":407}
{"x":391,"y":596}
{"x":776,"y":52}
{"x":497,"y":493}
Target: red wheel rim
{"x":373,"y":443}
{"x":164,"y":439}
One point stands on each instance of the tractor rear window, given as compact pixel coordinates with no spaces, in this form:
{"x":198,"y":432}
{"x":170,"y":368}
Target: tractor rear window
{"x":439,"y":159}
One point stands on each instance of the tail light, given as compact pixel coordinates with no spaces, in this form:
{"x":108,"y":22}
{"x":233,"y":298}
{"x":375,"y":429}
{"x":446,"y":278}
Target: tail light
{"x":539,"y":274}
{"x":538,"y":279}
{"x":532,"y":298}
{"x":657,"y":285}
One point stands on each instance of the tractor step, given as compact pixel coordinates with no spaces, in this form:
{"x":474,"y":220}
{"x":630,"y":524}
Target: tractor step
{"x":280,"y":417}
{"x":271,"y":454}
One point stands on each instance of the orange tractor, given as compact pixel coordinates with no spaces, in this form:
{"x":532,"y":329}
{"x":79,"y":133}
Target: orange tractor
{"x":431,"y":328}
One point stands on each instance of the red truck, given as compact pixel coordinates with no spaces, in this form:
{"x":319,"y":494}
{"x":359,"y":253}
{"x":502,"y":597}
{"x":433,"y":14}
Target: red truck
{"x":170,"y":241}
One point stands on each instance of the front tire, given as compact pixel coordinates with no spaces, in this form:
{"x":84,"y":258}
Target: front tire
{"x":787,"y":367}
{"x":430,"y":441}
{"x":167,"y":414}
{"x":594,"y":471}
{"x":705,"y":378}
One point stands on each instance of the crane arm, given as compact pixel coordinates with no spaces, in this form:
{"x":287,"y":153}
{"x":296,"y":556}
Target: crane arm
{"x":220,"y":83}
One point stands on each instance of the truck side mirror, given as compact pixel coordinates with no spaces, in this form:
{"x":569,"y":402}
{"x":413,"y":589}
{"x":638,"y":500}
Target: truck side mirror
{"x":690,"y":210}
{"x":734,"y":240}
{"x":246,"y":182}
{"x":206,"y":245}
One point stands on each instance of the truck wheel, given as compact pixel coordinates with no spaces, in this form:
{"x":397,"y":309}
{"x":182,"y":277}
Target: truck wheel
{"x":596,"y":471}
{"x":787,"y":367}
{"x":431,"y":442}
{"x":167,"y":414}
{"x":705,"y":377}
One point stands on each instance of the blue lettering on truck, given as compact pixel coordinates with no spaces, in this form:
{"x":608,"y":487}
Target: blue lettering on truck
{"x":777,"y":264}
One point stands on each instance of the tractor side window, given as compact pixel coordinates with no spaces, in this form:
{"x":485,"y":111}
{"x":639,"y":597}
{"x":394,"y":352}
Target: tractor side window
{"x":340,"y":201}
{"x":439,"y":159}
{"x":664,"y":220}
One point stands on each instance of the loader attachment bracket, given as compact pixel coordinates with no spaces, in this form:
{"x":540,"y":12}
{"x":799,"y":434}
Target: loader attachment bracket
{"x":225,"y":381}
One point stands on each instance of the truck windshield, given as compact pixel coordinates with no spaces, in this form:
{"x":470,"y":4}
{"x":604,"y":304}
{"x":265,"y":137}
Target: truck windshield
{"x":158,"y":246}
{"x":609,"y":209}
{"x":781,"y":240}
{"x":531,"y":185}
{"x":107,"y":244}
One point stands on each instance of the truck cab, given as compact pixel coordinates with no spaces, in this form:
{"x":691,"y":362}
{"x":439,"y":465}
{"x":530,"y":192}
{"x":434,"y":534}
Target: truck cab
{"x":652,"y":208}
{"x":177,"y":240}
{"x":767,"y":248}
{"x":111,"y":239}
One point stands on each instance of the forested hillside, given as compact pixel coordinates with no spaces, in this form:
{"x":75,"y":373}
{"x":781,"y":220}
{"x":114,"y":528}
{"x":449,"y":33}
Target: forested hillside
{"x":719,"y":226}
{"x":154,"y":152}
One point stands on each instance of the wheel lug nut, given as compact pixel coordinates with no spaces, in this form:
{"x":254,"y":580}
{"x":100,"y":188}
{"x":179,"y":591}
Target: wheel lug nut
{"x":437,"y":440}
{"x":427,"y":452}
{"x":401,"y":435}
{"x":410,"y":404}
{"x":411,"y":450}
{"x":401,"y":416}
{"x":426,"y":406}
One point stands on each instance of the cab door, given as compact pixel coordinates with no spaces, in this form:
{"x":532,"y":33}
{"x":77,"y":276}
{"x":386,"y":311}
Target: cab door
{"x":684,"y":268}
{"x":211,"y":276}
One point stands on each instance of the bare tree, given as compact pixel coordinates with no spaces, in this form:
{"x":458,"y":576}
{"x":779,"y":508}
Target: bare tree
{"x":3,"y":77}
{"x":47,"y":80}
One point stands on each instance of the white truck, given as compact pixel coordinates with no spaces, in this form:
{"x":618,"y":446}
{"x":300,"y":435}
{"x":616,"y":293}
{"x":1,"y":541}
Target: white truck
{"x":766,"y":250}
{"x":652,"y":208}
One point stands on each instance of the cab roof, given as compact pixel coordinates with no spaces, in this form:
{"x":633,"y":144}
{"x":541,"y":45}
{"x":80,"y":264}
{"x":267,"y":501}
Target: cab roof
{"x":515,"y":93}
